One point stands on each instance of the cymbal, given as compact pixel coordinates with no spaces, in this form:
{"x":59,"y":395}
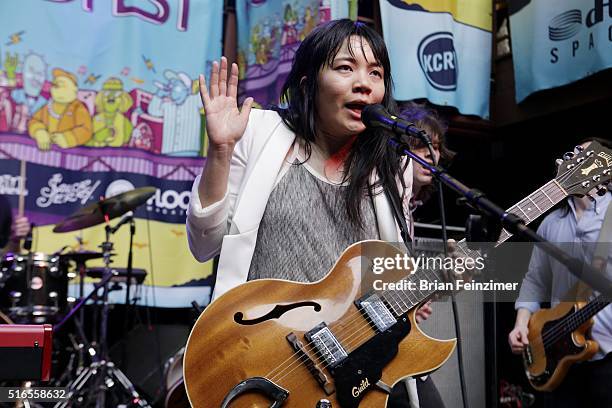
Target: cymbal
{"x":81,"y":256}
{"x":112,"y":207}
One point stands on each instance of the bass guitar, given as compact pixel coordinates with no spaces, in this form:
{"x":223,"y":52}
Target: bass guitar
{"x":272,"y":343}
{"x":558,"y":339}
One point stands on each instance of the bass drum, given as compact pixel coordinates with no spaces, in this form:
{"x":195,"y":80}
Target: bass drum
{"x":176,"y":395}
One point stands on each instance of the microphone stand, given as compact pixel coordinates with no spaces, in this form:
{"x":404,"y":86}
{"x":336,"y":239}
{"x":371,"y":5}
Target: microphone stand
{"x":510,"y":222}
{"x":452,"y":293}
{"x":427,"y":141}
{"x":128,"y":282}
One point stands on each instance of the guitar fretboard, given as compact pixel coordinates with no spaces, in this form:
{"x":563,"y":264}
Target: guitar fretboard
{"x":530,"y":208}
{"x":577,"y":319}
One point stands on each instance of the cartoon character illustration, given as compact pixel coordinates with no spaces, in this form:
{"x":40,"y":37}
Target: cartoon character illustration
{"x":309,"y":23}
{"x":290,"y":34}
{"x":242,"y":62}
{"x":28,"y":98}
{"x":6,"y":111}
{"x":110,"y":126}
{"x":64,"y":120}
{"x":261,"y":53}
{"x":179,"y":107}
{"x":10,"y":68}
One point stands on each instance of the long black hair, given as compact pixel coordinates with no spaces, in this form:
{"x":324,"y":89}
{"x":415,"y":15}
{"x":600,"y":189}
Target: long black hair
{"x":370,"y":150}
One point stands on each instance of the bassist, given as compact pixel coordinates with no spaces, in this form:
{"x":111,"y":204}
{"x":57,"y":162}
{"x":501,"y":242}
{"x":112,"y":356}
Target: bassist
{"x":580,"y":221}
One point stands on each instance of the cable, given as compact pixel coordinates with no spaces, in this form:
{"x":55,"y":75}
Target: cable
{"x":155,"y":332}
{"x":461,"y":367}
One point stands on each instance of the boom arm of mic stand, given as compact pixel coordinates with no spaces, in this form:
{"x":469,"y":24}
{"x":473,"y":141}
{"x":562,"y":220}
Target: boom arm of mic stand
{"x":510,"y":222}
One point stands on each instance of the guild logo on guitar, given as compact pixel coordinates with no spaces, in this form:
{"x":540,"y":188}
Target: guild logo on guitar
{"x":607,"y":157}
{"x":356,"y":391}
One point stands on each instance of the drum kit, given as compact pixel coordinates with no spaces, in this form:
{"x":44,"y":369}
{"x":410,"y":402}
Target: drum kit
{"x":34,"y":290}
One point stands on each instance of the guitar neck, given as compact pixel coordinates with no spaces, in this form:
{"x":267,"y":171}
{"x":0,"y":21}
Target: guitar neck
{"x":577,"y":319}
{"x":530,"y":208}
{"x":535,"y":204}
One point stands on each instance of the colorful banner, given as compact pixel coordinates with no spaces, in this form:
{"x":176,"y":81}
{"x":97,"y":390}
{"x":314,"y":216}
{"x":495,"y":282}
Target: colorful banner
{"x":269,"y":33}
{"x":555,"y":43}
{"x":100,"y":97}
{"x":440,"y":50}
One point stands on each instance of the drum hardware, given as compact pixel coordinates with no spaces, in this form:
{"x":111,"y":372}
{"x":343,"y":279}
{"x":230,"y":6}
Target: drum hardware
{"x":101,"y":374}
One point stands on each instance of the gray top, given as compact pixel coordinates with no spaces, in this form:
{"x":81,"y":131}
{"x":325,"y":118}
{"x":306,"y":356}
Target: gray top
{"x":305,"y":228}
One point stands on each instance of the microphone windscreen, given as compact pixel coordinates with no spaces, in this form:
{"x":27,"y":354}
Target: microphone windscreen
{"x":371,"y":114}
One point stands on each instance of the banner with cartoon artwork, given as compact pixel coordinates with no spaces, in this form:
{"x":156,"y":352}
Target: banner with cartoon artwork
{"x":555,"y":43}
{"x":100,"y":97}
{"x":269,"y":33}
{"x":440,"y":50}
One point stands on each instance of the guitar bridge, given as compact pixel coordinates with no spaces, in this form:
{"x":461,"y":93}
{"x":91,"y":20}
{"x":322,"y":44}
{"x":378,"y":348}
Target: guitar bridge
{"x":318,"y":375}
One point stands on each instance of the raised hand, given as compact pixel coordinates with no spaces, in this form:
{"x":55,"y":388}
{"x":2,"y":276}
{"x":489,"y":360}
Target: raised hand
{"x":225,"y":123}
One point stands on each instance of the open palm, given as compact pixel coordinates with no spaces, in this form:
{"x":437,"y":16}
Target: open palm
{"x":225,"y":123}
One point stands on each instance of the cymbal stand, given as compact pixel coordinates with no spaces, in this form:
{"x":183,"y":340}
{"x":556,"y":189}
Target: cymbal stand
{"x":101,"y":375}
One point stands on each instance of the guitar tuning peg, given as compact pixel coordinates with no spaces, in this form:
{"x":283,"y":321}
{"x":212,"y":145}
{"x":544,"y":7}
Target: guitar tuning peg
{"x":568,"y":155}
{"x":559,"y":162}
{"x":602,"y":191}
{"x":579,"y":148}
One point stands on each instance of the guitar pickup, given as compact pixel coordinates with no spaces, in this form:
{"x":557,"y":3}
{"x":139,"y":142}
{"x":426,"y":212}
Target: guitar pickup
{"x":375,"y":311}
{"x":326,"y":345}
{"x":318,"y":375}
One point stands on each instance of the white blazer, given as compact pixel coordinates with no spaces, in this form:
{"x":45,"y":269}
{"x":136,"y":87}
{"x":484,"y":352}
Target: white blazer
{"x":229,"y":227}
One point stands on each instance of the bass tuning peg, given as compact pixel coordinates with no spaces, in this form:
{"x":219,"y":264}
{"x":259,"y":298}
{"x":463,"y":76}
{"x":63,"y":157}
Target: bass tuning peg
{"x":568,"y":156}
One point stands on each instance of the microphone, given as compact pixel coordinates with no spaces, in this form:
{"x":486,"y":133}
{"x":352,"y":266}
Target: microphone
{"x":27,"y":241}
{"x":377,"y":116}
{"x":129,"y":216}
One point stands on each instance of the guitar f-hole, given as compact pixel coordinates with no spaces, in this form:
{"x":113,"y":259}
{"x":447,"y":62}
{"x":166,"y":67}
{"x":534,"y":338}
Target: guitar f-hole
{"x":275,"y":313}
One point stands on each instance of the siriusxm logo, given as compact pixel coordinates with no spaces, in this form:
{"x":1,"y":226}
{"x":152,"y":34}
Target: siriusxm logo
{"x":568,"y":26}
{"x":565,"y":25}
{"x":438,"y":60}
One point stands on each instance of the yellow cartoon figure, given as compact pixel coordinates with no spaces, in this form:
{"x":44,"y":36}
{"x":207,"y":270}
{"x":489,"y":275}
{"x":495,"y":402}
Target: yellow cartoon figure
{"x":110,"y":126}
{"x":64,"y":120}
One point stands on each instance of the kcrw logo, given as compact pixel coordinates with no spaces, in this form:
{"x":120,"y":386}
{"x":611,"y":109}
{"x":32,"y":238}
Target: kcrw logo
{"x":438,"y":60}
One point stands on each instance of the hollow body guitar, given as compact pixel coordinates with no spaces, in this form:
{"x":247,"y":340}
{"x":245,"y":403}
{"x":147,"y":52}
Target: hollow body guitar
{"x":272,"y":343}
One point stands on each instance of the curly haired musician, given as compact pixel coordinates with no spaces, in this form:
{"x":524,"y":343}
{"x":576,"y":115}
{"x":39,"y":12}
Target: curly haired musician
{"x":422,"y":189}
{"x":284,"y":192}
{"x":579,"y":221}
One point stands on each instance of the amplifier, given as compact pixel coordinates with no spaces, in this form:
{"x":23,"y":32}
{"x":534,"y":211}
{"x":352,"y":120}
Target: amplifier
{"x":25,"y":351}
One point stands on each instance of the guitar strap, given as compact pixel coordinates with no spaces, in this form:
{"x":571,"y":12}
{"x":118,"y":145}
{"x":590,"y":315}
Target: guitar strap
{"x":602,"y":250}
{"x":394,"y":199}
